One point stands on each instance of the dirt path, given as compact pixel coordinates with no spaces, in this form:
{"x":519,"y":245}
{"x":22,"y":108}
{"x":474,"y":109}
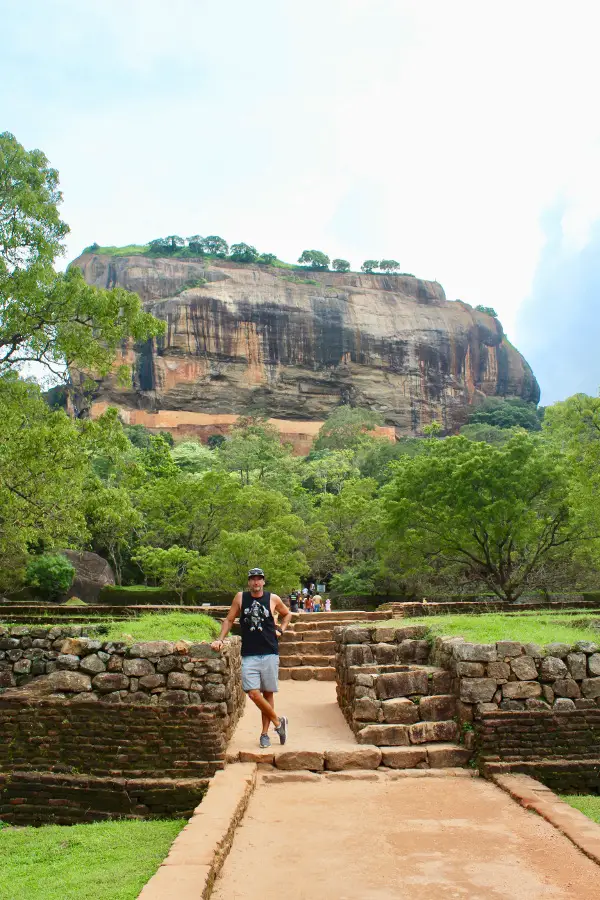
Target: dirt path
{"x":316,"y":722}
{"x":415,"y":839}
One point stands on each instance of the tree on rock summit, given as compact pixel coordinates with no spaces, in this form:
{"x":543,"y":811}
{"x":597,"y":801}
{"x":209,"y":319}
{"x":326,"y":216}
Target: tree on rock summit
{"x":315,"y":259}
{"x":341,"y":265}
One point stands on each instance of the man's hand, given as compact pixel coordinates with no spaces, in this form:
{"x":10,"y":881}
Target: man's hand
{"x":217,"y":645}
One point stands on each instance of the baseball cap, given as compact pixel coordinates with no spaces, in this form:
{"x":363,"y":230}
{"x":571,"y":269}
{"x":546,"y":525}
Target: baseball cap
{"x":256,"y":572}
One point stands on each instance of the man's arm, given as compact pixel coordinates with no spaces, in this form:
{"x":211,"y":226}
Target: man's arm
{"x":228,"y":622}
{"x":285,"y":615}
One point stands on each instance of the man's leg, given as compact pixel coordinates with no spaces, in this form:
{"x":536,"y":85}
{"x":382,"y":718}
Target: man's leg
{"x":265,"y":707}
{"x":270,"y":698}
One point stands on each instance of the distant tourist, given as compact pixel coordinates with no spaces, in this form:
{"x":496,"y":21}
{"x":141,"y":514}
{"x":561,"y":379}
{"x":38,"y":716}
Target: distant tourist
{"x":308,"y":604}
{"x":294,"y":601}
{"x":317,"y":603}
{"x":312,"y":588}
{"x":256,"y":609}
{"x":327,"y":604}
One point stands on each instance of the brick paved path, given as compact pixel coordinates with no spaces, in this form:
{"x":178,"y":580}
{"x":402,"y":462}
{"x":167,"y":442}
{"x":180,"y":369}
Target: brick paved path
{"x":417,"y":838}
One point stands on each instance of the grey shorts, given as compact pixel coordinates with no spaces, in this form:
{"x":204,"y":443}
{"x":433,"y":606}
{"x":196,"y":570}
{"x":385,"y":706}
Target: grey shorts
{"x":260,"y":672}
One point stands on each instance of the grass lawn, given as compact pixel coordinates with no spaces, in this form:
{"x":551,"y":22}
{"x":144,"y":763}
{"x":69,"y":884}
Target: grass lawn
{"x":589,"y":804}
{"x":539,"y":628}
{"x":173,"y":626}
{"x":100,"y":861}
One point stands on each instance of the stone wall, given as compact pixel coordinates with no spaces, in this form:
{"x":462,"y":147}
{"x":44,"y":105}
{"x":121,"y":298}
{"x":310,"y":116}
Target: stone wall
{"x":141,"y":728}
{"x":393,"y":699}
{"x":63,"y":662}
{"x":409,"y":610}
{"x":510,"y":675}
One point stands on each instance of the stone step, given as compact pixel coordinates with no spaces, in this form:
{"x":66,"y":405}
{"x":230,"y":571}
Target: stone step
{"x":362,"y":758}
{"x":313,"y":648}
{"x":382,"y":735}
{"x":434,"y":756}
{"x":313,"y":636}
{"x":307,"y":673}
{"x":291,"y":662}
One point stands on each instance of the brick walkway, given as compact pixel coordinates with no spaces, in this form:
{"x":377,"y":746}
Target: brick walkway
{"x":411,"y":839}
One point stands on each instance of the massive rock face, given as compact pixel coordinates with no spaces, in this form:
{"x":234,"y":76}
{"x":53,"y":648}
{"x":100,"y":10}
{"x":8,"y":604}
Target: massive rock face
{"x":254,"y":340}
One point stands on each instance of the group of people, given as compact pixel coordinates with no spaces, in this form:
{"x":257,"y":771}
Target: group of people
{"x":308,"y":599}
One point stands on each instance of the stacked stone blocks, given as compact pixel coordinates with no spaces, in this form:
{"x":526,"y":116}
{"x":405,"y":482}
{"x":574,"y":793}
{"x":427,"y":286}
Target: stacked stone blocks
{"x":393,"y":699}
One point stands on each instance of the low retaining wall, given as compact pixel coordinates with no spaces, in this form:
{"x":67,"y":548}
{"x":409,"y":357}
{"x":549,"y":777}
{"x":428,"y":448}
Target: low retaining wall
{"x":510,"y":675}
{"x":84,"y":709}
{"x":37,"y":798}
{"x":480,"y":607}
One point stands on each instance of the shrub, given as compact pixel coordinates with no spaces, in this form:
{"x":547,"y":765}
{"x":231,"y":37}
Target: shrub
{"x":488,"y":310}
{"x":51,"y":574}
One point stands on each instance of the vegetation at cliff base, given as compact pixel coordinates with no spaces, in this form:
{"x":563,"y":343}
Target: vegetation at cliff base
{"x":98,"y":861}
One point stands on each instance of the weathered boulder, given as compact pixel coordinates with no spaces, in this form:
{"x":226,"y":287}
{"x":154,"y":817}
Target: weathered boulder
{"x":92,"y":573}
{"x":66,"y":681}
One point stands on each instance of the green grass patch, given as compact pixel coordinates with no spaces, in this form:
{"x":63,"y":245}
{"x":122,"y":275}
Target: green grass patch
{"x":539,"y":628}
{"x":162,"y":627}
{"x":100,"y":861}
{"x":588,"y":804}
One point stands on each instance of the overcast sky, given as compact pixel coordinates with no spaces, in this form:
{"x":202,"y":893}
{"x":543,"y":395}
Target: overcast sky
{"x":460,"y":137}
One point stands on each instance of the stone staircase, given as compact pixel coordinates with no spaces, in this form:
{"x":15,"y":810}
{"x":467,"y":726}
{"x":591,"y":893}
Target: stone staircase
{"x":393,"y":699}
{"x":307,"y":649}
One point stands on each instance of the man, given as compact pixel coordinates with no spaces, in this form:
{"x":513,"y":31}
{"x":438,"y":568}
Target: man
{"x":260,"y":649}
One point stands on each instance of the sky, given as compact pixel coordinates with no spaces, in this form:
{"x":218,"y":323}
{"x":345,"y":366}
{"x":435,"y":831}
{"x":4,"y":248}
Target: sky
{"x":460,"y":138}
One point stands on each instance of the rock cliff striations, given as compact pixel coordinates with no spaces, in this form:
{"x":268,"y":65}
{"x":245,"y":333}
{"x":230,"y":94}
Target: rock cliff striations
{"x":251,"y":340}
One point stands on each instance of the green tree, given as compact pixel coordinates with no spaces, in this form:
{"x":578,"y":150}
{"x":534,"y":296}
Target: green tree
{"x":189,"y":511}
{"x":491,"y":434}
{"x":369,"y":265}
{"x":267,"y":259}
{"x":174,"y":243}
{"x":213,"y":245}
{"x":345,"y":428}
{"x":159,"y":246}
{"x":314,"y":259}
{"x":195,"y":244}
{"x":52,"y":574}
{"x":191,"y":456}
{"x":488,"y":310}
{"x":489,"y":515}
{"x":253,"y":450}
{"x":54,"y":319}
{"x":389,"y":265}
{"x":175,"y":569}
{"x":43,"y":467}
{"x":341,"y":265}
{"x":327,"y":470}
{"x":505,"y":413}
{"x":573,"y":428}
{"x":354,"y":521}
{"x":275,"y":549}
{"x":243,"y":253}
{"x":113,"y":523}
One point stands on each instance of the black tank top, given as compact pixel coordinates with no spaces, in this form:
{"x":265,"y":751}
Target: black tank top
{"x":258,"y":626}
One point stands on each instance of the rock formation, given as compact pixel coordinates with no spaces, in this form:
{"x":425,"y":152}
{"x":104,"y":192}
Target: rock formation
{"x":252,"y":340}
